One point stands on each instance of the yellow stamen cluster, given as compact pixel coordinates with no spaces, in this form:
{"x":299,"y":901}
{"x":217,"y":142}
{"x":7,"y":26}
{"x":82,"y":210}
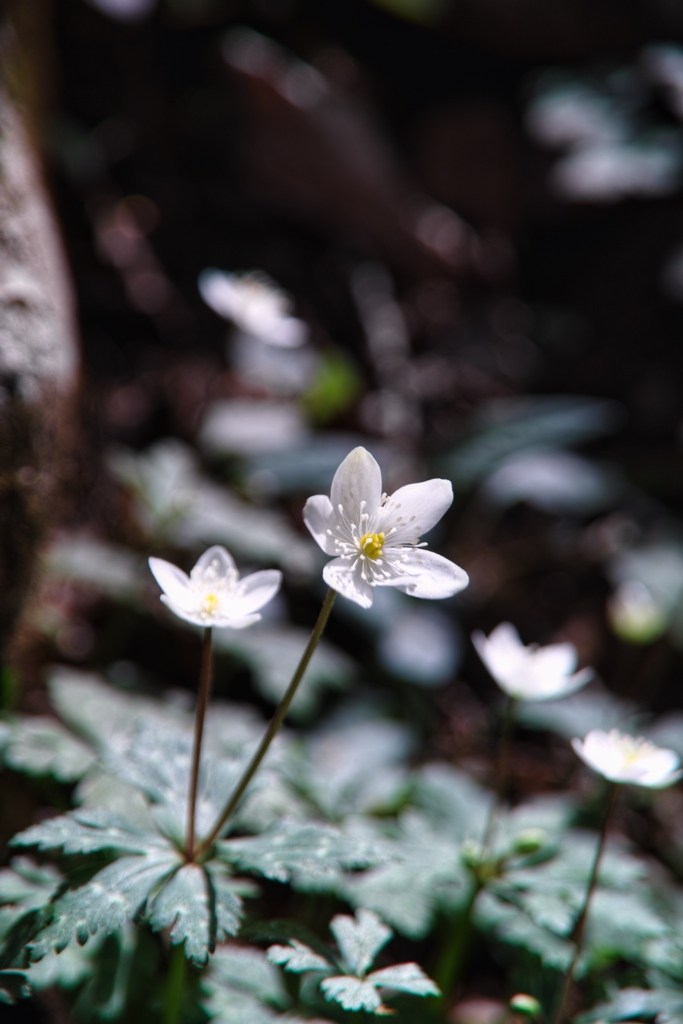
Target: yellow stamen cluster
{"x":209,"y":604}
{"x":371,"y":545}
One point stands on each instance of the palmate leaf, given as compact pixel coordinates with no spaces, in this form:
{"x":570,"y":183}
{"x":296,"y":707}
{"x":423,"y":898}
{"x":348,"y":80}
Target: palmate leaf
{"x":359,"y":940}
{"x":308,"y":855}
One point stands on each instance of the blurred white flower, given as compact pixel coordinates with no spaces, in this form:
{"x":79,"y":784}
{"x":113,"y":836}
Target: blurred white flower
{"x":533,"y":672}
{"x":622,"y":758}
{"x":255,"y":305}
{"x":212,"y":595}
{"x":376,"y":538}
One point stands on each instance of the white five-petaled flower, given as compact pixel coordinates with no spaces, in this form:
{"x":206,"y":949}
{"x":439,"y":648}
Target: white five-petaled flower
{"x":375,"y":538}
{"x":255,"y":304}
{"x":533,"y":672}
{"x":622,"y":758}
{"x":213,"y":595}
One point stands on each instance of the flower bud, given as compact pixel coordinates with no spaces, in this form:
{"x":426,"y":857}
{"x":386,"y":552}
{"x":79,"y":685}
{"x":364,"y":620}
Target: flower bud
{"x":525,"y":1004}
{"x":530,"y":840}
{"x":472,"y":854}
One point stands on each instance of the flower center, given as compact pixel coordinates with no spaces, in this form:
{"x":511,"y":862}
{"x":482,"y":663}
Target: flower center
{"x":371,"y":545}
{"x":209,"y":603}
{"x":635,"y":750}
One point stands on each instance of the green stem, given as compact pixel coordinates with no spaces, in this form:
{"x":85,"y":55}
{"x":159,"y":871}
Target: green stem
{"x":452,"y":959}
{"x":273,"y":728}
{"x":177,"y":971}
{"x":501,"y":771}
{"x":200,"y":714}
{"x":580,"y":925}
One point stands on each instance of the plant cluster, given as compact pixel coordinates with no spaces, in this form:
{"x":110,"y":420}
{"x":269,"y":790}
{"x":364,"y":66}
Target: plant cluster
{"x":184,"y":824}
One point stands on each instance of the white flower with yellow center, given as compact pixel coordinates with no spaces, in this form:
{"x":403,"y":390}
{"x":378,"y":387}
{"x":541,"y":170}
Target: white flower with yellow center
{"x":255,"y":305}
{"x":533,"y":672}
{"x":375,"y":538}
{"x":622,"y":758}
{"x":213,"y":594}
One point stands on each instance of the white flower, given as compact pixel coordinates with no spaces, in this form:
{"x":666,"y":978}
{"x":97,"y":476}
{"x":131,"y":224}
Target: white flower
{"x":530,"y":673}
{"x":255,"y":304}
{"x":376,"y":538}
{"x":212,"y":595}
{"x":622,"y":758}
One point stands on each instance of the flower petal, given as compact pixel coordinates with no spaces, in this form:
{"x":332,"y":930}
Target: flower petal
{"x":252,"y":593}
{"x":174,"y":582}
{"x":285,"y":332}
{"x":503,"y":653}
{"x":348,"y":582}
{"x":225,"y":563}
{"x":236,"y":623}
{"x":661,"y":769}
{"x":220,"y":291}
{"x":555,"y":660}
{"x":357,"y":480}
{"x":190,"y":614}
{"x":414,"y":509}
{"x":432,"y":576}
{"x":319,"y":517}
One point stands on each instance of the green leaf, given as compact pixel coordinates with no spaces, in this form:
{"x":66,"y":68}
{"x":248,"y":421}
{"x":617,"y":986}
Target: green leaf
{"x":577,"y":714}
{"x":273,"y":652}
{"x":113,"y":896}
{"x":351,"y":993}
{"x":200,"y":906}
{"x":88,"y":831}
{"x":227,"y":892}
{"x":423,"y":873}
{"x":297,"y":957}
{"x":404,"y":978}
{"x":96,"y":564}
{"x":306,"y":854}
{"x":359,"y":939}
{"x":666,"y":1005}
{"x":13,"y":986}
{"x":244,"y":988}
{"x":511,"y":425}
{"x":42,"y":746}
{"x":183,"y":904}
{"x":176,"y":502}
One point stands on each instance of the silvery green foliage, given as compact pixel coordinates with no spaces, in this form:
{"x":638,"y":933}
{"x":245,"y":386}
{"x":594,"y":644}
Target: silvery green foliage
{"x":129,"y":862}
{"x":535,"y":906}
{"x":424,"y":873}
{"x":345,"y":979}
{"x":663,"y":1004}
{"x":507,"y":427}
{"x":242,"y":987}
{"x":177,"y":503}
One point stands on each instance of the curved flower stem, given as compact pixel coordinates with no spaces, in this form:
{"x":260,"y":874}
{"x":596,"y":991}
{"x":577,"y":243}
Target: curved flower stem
{"x":200,"y":714}
{"x":580,"y":926}
{"x":173,"y":997}
{"x":272,"y":730}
